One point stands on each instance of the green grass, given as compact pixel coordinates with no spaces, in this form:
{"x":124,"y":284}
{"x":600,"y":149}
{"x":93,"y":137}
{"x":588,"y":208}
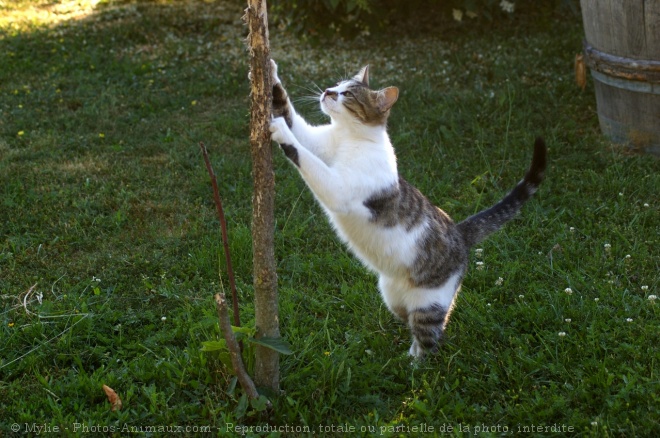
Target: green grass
{"x":106,"y":209}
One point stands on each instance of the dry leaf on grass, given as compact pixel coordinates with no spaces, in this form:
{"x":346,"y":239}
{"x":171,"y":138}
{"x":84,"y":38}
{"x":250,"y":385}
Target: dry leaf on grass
{"x":113,"y":398}
{"x":580,"y":71}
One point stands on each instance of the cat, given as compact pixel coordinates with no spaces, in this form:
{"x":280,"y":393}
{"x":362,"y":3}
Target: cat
{"x":419,"y":253}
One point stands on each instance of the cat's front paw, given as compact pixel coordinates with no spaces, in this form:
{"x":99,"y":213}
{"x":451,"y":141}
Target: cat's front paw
{"x":280,"y":132}
{"x":273,"y":73}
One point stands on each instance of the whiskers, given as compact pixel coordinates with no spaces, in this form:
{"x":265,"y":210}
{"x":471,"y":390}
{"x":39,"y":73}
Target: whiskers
{"x":310,"y":99}
{"x":307,"y":99}
{"x":314,"y":92}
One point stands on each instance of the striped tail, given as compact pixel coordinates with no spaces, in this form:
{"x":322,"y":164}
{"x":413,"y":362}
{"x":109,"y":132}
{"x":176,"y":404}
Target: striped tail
{"x":476,"y":228}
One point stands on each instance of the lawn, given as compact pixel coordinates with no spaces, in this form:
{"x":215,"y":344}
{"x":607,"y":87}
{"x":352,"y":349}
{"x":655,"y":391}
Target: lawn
{"x":110,"y":251}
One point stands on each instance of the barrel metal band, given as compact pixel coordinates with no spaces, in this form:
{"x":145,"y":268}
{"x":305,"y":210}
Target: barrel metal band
{"x":620,"y":67}
{"x":625,"y":84}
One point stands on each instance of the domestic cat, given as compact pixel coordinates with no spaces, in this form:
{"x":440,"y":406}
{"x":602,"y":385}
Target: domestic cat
{"x":418,"y":251}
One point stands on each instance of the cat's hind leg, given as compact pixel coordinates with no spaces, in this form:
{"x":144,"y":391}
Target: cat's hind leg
{"x":393,"y":298}
{"x":426,"y":310}
{"x":428,"y":313}
{"x":427,"y":326}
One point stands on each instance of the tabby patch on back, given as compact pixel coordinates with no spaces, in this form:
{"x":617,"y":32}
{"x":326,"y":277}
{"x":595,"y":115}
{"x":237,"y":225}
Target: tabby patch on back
{"x":419,"y":253}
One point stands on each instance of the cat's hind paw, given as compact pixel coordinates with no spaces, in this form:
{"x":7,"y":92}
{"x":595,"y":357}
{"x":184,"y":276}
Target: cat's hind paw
{"x":416,"y":351}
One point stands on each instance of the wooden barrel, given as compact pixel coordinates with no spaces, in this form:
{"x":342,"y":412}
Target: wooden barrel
{"x":622,"y":49}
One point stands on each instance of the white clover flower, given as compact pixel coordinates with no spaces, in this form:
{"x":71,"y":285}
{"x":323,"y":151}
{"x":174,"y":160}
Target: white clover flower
{"x":479,"y":252}
{"x":521,"y":296}
{"x":561,"y":334}
{"x":628,"y":256}
{"x":629,"y":320}
{"x":572,"y":229}
{"x":646,"y":205}
{"x":507,"y":6}
{"x":568,"y":291}
{"x":652,"y":297}
{"x":645,"y":287}
{"x":596,"y":299}
{"x":620,"y":193}
{"x":164,"y":318}
{"x":480,"y":266}
{"x":594,"y":423}
{"x":499,"y":281}
{"x":607,"y":247}
{"x":568,"y":320}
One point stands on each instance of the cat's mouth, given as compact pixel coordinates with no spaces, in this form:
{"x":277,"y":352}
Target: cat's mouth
{"x":329,"y":101}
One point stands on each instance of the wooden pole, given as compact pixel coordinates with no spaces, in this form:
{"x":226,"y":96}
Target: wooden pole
{"x":266,"y":373}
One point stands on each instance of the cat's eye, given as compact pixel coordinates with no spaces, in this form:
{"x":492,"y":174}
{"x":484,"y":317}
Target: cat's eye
{"x":347,"y":94}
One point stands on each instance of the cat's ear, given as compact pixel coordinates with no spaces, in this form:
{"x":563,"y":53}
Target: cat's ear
{"x":363,"y":75}
{"x":386,"y":98}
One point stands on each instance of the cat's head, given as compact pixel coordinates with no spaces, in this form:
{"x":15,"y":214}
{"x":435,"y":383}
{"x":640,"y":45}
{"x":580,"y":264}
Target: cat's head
{"x":353,"y":101}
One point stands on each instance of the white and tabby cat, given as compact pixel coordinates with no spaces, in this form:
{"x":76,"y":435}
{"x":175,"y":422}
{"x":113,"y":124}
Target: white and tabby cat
{"x":419,"y":253}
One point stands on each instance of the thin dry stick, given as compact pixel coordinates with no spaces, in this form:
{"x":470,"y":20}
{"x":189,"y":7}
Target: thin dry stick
{"x":234,"y":350}
{"x":223,"y":227}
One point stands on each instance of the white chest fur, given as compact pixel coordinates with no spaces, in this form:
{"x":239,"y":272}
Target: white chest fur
{"x":390,"y":251}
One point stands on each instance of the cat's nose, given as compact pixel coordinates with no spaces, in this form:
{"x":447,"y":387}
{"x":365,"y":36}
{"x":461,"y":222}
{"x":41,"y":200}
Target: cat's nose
{"x":331,"y":94}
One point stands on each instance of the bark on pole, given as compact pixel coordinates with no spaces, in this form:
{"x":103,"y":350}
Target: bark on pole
{"x":267,"y":373}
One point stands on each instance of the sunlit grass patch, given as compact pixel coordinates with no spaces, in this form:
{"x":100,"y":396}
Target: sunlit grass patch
{"x":19,"y":15}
